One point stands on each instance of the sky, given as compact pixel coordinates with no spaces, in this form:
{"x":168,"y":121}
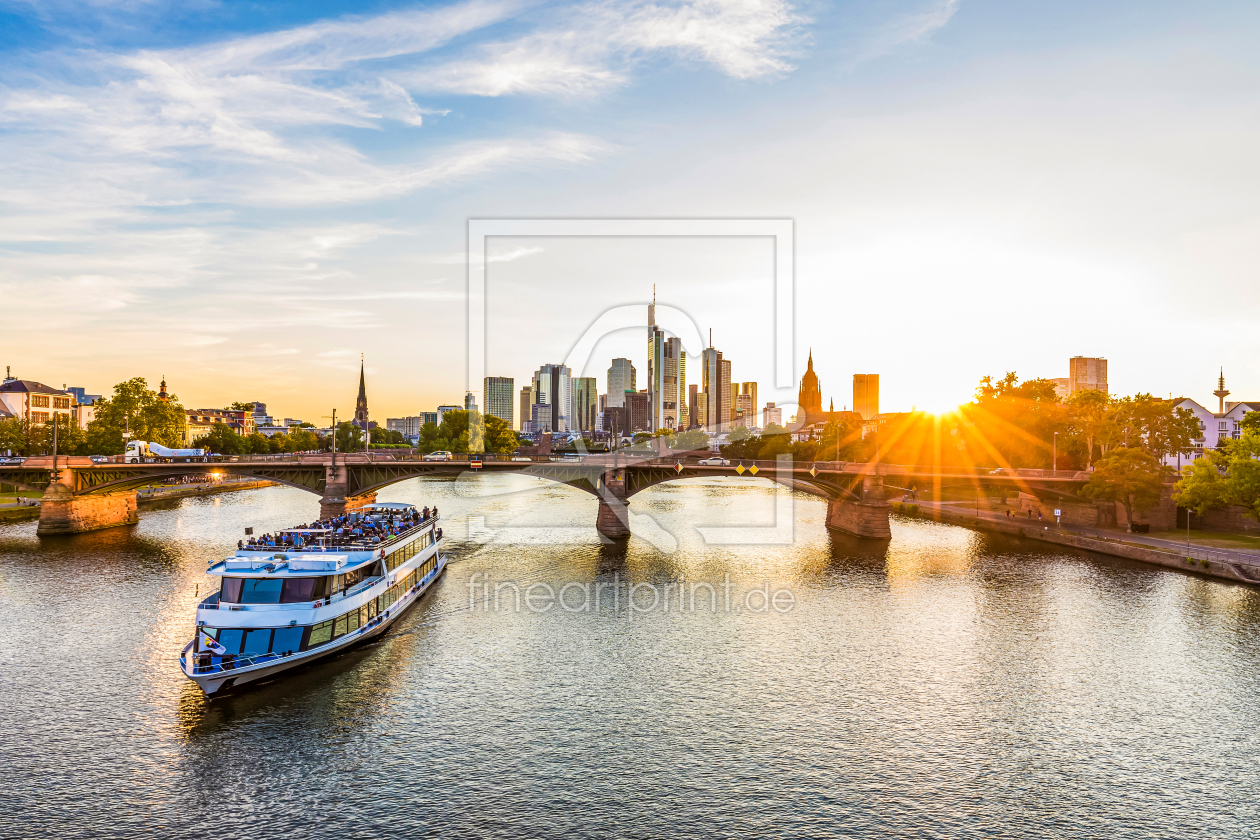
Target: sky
{"x":248,"y":198}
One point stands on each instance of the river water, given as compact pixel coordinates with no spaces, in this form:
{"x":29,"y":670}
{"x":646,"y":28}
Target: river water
{"x":945,"y":684}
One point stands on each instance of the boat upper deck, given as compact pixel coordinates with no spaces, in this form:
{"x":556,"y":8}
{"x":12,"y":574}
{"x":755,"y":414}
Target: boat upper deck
{"x":331,"y":546}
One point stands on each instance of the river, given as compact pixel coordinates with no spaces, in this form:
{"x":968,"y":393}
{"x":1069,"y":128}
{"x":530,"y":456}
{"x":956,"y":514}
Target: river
{"x":945,"y":684}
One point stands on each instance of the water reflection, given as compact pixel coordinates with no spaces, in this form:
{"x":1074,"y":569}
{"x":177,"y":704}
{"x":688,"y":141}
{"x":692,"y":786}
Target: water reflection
{"x":943,"y":683}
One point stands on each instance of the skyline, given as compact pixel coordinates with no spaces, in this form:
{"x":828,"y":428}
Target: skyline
{"x":258,"y":196}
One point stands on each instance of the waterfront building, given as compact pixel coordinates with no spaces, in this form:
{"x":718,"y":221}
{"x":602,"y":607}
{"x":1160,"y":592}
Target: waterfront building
{"x":585,"y":403}
{"x":551,"y":388}
{"x":361,"y":402}
{"x":443,"y":409}
{"x":428,"y":417}
{"x":201,"y":420}
{"x":771,"y":414}
{"x":35,"y":402}
{"x":809,"y":397}
{"x":693,"y":406}
{"x":1062,"y":387}
{"x":1216,"y":426}
{"x":496,"y":397}
{"x":526,"y":400}
{"x":406,"y":426}
{"x":866,"y":394}
{"x":1087,"y":373}
{"x":621,"y":378}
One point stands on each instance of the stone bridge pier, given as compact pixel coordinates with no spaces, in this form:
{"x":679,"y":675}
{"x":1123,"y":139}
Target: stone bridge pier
{"x":63,"y":512}
{"x":335,"y":501}
{"x":864,"y":517}
{"x":613,"y":519}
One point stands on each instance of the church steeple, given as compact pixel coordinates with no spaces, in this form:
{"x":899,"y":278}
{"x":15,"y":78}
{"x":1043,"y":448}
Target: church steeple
{"x":360,"y":405}
{"x":162,"y":395}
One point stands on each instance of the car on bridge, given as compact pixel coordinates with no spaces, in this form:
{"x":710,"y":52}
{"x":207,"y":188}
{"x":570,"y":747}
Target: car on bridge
{"x":11,"y":461}
{"x":714,"y":461}
{"x":440,"y":455}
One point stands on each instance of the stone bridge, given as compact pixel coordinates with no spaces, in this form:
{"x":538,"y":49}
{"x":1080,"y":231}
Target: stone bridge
{"x":83,"y":495}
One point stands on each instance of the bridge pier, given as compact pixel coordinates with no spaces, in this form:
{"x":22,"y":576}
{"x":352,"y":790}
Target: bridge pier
{"x":330,"y":506}
{"x":867,"y":517}
{"x":613,"y":518}
{"x":62,"y":512}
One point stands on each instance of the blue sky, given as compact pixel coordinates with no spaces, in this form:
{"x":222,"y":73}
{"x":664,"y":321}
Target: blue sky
{"x":245,"y":197}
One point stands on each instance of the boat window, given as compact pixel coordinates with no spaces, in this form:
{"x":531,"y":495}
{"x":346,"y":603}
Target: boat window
{"x":340,"y":629}
{"x":352,"y":619}
{"x":287,"y":640}
{"x":260,"y":590}
{"x":298,"y":590}
{"x":257,"y":641}
{"x":230,"y":590}
{"x":320,"y":634}
{"x":230,"y":638}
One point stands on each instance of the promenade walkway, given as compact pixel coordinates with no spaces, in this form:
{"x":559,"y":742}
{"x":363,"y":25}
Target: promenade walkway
{"x":1111,"y":534}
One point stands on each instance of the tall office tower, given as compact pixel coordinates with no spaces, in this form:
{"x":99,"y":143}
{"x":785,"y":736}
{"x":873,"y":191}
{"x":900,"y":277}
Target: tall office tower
{"x":621,"y":378}
{"x":655,"y":367}
{"x":551,"y":388}
{"x":585,"y":403}
{"x":526,"y":401}
{"x":771,"y":414}
{"x":693,"y":406}
{"x":429,"y":417}
{"x":716,"y":396}
{"x":1087,"y":374}
{"x":866,"y":394}
{"x":744,"y":410}
{"x":673,"y":367}
{"x":470,"y":402}
{"x":496,"y":396}
{"x":638,"y":410}
{"x":750,"y":389}
{"x":728,"y":398}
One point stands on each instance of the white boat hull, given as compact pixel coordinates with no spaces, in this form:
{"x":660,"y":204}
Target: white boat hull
{"x":223,"y":679}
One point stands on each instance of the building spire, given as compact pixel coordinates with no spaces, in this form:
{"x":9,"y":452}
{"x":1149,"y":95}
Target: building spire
{"x":361,"y":404}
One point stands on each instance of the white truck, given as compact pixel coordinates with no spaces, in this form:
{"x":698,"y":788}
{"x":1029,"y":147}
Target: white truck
{"x":141,"y":452}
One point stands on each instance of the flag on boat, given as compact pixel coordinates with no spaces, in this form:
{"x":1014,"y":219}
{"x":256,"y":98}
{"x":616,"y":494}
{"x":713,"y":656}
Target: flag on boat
{"x":210,"y":644}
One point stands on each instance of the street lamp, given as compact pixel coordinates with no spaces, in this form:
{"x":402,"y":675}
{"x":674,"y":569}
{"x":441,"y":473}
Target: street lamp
{"x":1056,"y":453}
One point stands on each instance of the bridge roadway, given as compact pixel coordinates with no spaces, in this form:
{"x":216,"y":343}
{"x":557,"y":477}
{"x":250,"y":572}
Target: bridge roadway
{"x":82,"y":495}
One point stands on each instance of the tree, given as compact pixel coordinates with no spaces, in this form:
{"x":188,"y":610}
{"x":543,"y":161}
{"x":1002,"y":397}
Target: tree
{"x":349,"y":437}
{"x":241,"y":406}
{"x":693,"y":439}
{"x":1089,"y":415}
{"x":739,"y":433}
{"x":1226,"y":476}
{"x":300,"y":440}
{"x":221,"y":440}
{"x":499,"y":437}
{"x":134,"y":412}
{"x":1157,"y":425}
{"x":1129,"y":476}
{"x":256,"y":444}
{"x":14,"y":436}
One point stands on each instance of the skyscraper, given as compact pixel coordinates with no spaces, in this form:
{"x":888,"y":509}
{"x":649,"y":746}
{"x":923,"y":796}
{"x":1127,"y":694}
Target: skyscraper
{"x":693,"y":406}
{"x":585,"y":403}
{"x":728,"y":394}
{"x":470,"y":402}
{"x":638,"y":411}
{"x":1087,"y":374}
{"x":866,"y":394}
{"x":717,"y":389}
{"x":496,"y":397}
{"x":621,"y":378}
{"x":526,"y":401}
{"x":750,"y":389}
{"x":551,"y":388}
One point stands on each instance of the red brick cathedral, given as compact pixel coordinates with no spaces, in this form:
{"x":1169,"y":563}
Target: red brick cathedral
{"x":809,"y":400}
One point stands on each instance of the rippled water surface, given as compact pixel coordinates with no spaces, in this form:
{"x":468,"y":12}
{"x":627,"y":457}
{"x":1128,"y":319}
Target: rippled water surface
{"x":945,"y":684}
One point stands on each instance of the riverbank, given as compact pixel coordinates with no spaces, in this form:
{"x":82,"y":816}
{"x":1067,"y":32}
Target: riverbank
{"x":1216,"y":563}
{"x":180,"y":491}
{"x":23,"y":513}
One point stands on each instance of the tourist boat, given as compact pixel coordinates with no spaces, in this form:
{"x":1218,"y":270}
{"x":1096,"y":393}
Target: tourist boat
{"x":316,"y":591}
